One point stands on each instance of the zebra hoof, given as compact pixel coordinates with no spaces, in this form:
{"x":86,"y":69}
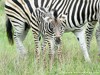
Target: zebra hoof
{"x":88,"y":60}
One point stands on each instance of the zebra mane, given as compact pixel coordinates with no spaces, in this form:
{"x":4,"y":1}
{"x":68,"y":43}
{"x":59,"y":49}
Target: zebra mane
{"x":55,"y":15}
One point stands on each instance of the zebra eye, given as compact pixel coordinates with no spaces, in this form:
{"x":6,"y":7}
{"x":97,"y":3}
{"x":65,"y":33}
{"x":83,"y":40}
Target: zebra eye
{"x":51,"y":27}
{"x":61,"y":28}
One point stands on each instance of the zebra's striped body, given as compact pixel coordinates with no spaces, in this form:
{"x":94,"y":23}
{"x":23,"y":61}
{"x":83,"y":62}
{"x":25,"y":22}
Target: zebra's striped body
{"x":81,"y":12}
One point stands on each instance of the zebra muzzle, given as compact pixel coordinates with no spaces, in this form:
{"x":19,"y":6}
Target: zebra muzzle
{"x":57,"y":40}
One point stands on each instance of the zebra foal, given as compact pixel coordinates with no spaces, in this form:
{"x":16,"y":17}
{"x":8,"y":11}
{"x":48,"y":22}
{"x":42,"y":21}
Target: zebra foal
{"x":53,"y":33}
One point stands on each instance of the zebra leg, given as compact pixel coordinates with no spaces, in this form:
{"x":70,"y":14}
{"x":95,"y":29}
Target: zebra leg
{"x":59,"y":53}
{"x":89,"y":32}
{"x":80,"y":34}
{"x":51,"y":44}
{"x":44,"y":43}
{"x":44,"y":49}
{"x":58,"y":48}
{"x":37,"y":46}
{"x":19,"y":36}
{"x":98,"y":37}
{"x":26,"y":30}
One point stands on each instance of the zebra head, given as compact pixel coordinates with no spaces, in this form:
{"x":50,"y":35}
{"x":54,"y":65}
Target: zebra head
{"x":55,"y":22}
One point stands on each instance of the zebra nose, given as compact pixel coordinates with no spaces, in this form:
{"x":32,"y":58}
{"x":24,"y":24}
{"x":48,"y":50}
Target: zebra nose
{"x":57,"y":40}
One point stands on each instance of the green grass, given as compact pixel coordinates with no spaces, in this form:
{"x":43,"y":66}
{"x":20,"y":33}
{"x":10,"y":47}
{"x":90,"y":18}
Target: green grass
{"x":73,"y":62}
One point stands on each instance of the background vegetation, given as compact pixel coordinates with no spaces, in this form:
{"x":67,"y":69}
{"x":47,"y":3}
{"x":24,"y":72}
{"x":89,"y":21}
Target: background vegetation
{"x":73,"y":61}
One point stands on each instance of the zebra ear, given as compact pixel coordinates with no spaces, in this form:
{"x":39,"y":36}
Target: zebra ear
{"x":47,"y":19}
{"x":63,"y":17}
{"x":42,"y":10}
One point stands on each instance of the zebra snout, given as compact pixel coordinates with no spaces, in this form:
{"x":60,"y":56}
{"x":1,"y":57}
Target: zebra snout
{"x":57,"y":40}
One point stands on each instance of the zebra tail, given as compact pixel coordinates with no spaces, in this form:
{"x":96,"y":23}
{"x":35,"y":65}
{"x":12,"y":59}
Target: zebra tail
{"x":9,"y":30}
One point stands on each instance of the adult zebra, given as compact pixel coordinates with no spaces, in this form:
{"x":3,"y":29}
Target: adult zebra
{"x":23,"y":14}
{"x":80,"y":12}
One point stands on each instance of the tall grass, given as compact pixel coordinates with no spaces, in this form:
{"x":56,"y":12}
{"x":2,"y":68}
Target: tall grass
{"x":73,"y":60}
{"x":1,"y":3}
